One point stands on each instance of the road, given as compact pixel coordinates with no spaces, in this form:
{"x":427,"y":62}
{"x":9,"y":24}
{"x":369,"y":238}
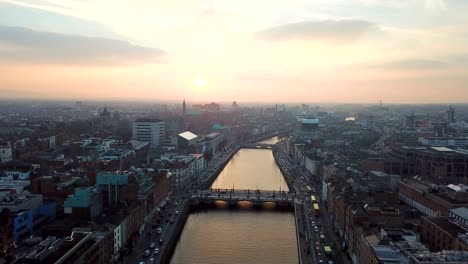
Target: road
{"x":151,"y":235}
{"x":313,"y":222}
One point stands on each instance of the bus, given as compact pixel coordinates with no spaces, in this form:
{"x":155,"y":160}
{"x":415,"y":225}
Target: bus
{"x":327,"y":250}
{"x":313,"y":199}
{"x":316,"y":209}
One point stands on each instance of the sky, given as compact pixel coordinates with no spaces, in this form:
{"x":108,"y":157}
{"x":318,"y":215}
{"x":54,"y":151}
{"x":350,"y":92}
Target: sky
{"x":350,"y":51}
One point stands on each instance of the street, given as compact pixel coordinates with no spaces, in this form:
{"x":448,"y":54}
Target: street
{"x":318,"y":236}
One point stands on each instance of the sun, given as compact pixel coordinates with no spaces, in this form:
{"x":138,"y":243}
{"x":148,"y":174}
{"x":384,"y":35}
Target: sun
{"x":200,"y":82}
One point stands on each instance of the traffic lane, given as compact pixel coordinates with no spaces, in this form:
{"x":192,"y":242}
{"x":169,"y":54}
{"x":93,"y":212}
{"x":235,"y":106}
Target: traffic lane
{"x":305,"y":254}
{"x":166,"y":233}
{"x":138,"y":257}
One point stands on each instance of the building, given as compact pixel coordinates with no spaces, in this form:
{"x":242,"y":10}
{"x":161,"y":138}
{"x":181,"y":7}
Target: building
{"x":440,"y":165}
{"x":210,"y":143}
{"x":13,"y":186}
{"x":5,"y":153}
{"x":427,"y":200}
{"x":441,"y":233}
{"x":451,"y":115}
{"x":420,"y":254}
{"x":460,"y":215}
{"x":125,"y":188}
{"x":459,"y":142}
{"x":26,"y":212}
{"x":182,"y":169}
{"x":85,"y":204}
{"x":390,"y":180}
{"x":186,"y":140}
{"x":388,"y":254}
{"x":149,"y":130}
{"x":79,"y":247}
{"x":16,"y":170}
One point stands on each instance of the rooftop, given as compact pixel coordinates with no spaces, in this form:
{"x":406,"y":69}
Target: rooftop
{"x":451,"y":227}
{"x":212,"y":135}
{"x":442,"y":149}
{"x":388,"y":254}
{"x":148,"y":120}
{"x":462,"y":212}
{"x":187,"y":135}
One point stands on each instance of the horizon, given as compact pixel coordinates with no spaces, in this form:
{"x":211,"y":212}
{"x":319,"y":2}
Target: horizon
{"x":338,"y":52}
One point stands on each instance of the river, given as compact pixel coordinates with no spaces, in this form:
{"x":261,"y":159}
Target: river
{"x":242,"y":236}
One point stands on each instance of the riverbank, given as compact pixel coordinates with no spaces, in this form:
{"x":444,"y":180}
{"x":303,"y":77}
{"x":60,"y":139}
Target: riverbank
{"x":286,"y":175}
{"x":210,"y":179}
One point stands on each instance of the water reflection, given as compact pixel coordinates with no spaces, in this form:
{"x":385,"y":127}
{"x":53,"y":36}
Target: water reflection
{"x":272,"y":140}
{"x":251,"y":169}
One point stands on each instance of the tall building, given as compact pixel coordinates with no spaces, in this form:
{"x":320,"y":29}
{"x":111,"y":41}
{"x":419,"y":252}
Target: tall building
{"x":149,"y":130}
{"x":410,"y":121}
{"x":451,"y":115}
{"x":183,"y":107}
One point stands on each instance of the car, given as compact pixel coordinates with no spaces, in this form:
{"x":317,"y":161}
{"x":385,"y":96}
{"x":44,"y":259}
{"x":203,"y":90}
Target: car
{"x":161,"y":241}
{"x":151,"y":260}
{"x":172,"y":220}
{"x":159,"y":231}
{"x":152,"y":245}
{"x":177,"y":212}
{"x":156,"y":251}
{"x":146,"y":253}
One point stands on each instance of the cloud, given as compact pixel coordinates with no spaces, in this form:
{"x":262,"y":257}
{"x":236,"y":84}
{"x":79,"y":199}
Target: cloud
{"x":411,"y":64}
{"x":24,"y":45}
{"x":330,"y":31}
{"x":435,"y":5}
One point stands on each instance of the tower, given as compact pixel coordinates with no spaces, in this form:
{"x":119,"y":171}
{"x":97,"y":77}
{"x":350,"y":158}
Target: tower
{"x":451,"y":115}
{"x":183,"y":106}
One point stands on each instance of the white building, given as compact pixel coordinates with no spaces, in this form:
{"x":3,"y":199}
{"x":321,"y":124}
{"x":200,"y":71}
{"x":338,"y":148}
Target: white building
{"x":149,"y":130}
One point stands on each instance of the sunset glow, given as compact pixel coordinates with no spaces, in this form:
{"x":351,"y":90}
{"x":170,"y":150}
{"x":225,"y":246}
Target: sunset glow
{"x":265,"y":50}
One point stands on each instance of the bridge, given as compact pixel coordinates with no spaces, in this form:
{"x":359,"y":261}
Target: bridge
{"x":257,"y":197}
{"x":258,"y":146}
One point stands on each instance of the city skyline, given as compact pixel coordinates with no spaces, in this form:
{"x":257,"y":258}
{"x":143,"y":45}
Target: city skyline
{"x":353,"y":51}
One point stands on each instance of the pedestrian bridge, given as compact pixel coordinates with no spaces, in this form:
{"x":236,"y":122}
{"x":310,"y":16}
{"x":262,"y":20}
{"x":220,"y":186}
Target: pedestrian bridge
{"x":234,"y":196}
{"x":258,"y":146}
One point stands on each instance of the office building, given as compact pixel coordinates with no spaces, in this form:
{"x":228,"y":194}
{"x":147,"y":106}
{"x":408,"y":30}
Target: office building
{"x":149,"y":130}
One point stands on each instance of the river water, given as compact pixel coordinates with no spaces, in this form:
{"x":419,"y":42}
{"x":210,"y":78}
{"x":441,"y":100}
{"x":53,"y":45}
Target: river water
{"x":242,"y":236}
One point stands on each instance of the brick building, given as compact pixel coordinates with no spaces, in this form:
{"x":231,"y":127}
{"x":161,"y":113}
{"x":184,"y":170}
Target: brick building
{"x":427,"y":200}
{"x":442,"y":233}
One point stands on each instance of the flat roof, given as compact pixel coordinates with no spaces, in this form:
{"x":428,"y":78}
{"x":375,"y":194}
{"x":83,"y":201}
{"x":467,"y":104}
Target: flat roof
{"x":187,"y":135}
{"x":148,"y":119}
{"x":461,"y":211}
{"x":442,"y":149}
{"x":448,"y":226}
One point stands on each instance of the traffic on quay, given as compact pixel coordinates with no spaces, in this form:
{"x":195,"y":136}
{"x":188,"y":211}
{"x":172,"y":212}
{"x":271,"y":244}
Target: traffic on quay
{"x":309,"y":236}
